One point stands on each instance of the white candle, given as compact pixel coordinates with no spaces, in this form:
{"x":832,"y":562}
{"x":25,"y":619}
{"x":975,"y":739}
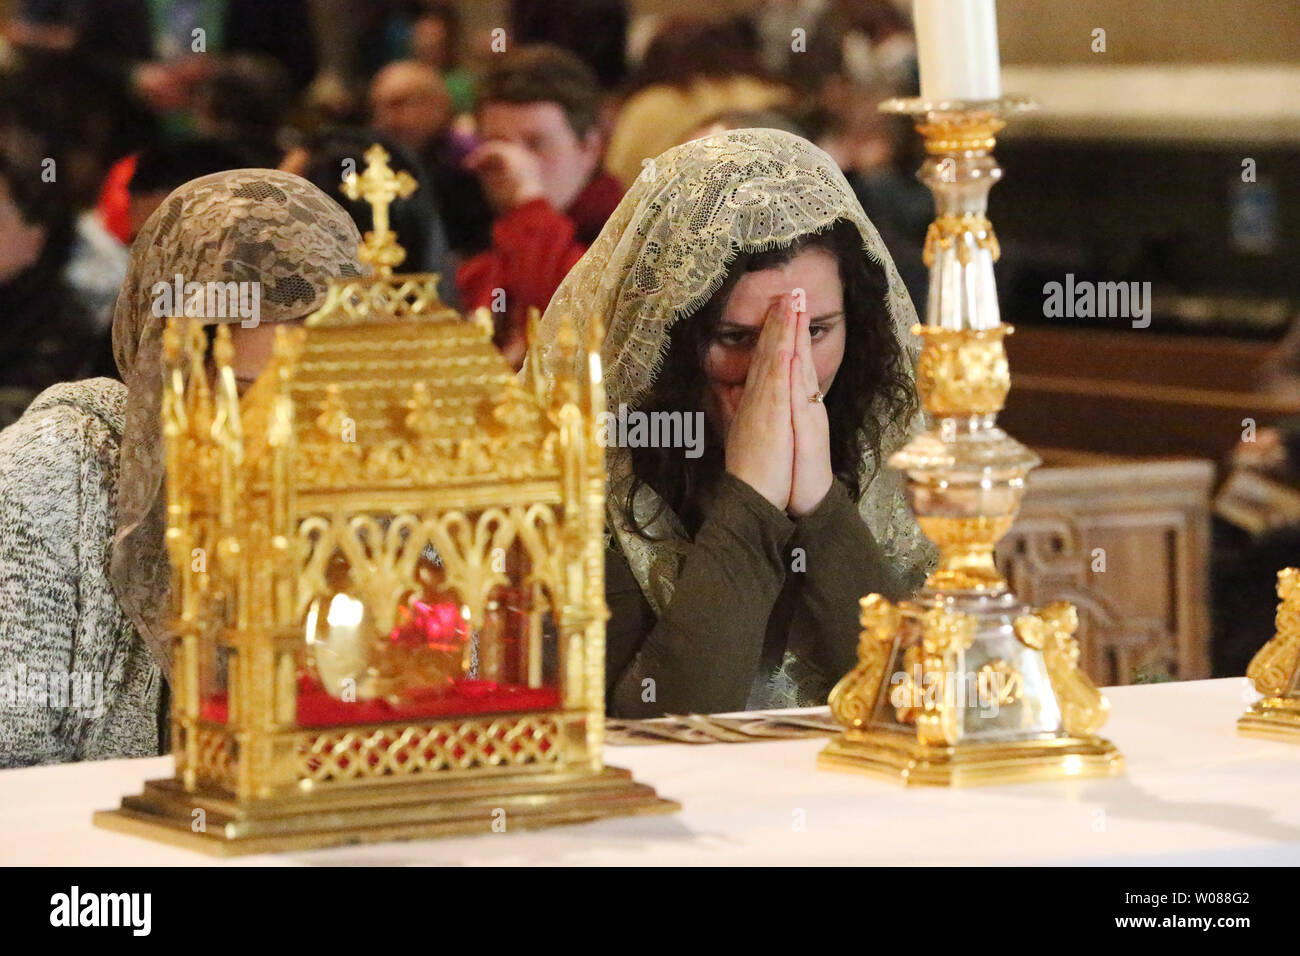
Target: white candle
{"x":957,"y":46}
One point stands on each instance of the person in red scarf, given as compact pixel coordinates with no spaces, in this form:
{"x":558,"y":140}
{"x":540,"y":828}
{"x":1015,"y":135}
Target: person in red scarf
{"x":539,"y":164}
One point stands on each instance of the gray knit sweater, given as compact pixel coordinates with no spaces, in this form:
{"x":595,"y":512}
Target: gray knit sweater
{"x":76,"y":681}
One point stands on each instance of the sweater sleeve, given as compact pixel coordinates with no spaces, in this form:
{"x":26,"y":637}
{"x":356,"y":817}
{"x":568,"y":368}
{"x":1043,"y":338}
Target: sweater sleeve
{"x":703,"y":654}
{"x":38,"y":597}
{"x":841,"y":562}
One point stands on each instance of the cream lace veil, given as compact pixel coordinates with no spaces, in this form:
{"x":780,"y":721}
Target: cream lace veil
{"x":245,"y":225}
{"x":660,"y":257}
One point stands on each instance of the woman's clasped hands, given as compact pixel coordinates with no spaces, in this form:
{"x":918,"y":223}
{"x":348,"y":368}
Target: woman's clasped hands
{"x":778,"y":434}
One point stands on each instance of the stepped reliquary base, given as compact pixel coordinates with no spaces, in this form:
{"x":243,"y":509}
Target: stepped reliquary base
{"x":167,"y":813}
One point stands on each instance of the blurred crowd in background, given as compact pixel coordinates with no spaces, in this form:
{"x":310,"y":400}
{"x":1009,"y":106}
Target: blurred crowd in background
{"x":523,"y":135}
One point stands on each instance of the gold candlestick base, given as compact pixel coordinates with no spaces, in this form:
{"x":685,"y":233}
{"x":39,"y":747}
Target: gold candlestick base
{"x":1275,"y":718}
{"x":901,"y":758}
{"x":944,"y":697}
{"x":1275,"y":671}
{"x":966,"y":684}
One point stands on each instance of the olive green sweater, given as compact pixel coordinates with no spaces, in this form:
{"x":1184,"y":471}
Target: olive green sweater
{"x":764,"y":613}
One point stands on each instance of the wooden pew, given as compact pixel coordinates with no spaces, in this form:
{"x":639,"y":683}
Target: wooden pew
{"x":1139,"y":393}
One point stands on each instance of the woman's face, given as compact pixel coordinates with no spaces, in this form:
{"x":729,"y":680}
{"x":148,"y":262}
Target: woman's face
{"x":254,"y":346}
{"x":813,"y":276}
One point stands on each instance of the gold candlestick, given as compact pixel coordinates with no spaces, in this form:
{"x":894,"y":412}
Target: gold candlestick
{"x":1275,"y":671}
{"x":966,"y":684}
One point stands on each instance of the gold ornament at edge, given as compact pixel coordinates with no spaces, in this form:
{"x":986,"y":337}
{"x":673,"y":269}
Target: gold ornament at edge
{"x":1273,"y":669}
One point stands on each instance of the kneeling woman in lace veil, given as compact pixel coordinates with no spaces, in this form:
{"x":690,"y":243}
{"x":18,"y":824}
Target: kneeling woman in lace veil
{"x":741,"y":282}
{"x":85,"y":589}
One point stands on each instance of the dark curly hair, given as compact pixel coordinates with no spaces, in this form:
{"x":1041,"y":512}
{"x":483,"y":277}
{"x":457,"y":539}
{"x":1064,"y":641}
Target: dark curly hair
{"x":872,"y":384}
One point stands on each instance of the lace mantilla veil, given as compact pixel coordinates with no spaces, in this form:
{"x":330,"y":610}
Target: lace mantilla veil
{"x":661,"y":256}
{"x":262,"y":226}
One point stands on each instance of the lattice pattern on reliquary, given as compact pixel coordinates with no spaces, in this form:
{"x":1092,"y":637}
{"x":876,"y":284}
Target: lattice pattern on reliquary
{"x":506,"y":743}
{"x":216,"y":756}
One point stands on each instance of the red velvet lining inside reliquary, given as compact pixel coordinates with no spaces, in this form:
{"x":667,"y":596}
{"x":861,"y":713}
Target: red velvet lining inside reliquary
{"x":316,"y":708}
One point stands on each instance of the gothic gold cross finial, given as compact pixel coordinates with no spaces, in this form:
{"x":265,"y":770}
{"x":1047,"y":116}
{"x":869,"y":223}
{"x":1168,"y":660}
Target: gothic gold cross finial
{"x":379,"y":186}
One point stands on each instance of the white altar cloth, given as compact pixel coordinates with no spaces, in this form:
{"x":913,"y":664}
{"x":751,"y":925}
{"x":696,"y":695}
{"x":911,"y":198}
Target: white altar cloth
{"x":1193,"y":792}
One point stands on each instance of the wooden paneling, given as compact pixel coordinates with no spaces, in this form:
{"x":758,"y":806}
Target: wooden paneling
{"x":1127,"y":542}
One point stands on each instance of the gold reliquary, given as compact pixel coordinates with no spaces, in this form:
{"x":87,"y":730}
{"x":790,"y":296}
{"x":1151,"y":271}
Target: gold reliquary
{"x":388,"y":579}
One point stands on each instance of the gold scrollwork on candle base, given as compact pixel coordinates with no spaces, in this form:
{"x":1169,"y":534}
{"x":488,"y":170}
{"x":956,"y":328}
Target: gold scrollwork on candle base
{"x":1051,"y":629}
{"x":854,"y":697}
{"x":907,"y":688}
{"x":963,"y":371}
{"x":1273,"y":668}
{"x":944,"y":635}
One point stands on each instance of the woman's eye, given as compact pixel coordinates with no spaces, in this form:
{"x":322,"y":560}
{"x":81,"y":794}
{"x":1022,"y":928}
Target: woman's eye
{"x":815,"y":330}
{"x":733,"y":339}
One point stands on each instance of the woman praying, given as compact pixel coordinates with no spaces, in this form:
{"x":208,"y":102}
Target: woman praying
{"x":739,"y":280}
